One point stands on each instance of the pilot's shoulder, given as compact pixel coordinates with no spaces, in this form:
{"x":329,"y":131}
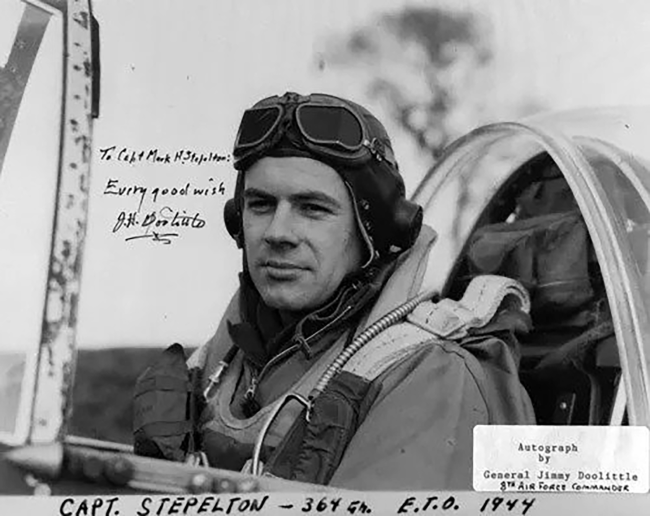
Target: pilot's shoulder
{"x":440,"y":327}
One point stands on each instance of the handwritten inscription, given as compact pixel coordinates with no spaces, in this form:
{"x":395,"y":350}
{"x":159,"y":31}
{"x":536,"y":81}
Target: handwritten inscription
{"x":431,"y":503}
{"x":88,"y":507}
{"x":114,"y":187}
{"x":493,"y":504}
{"x":281,"y":503}
{"x":162,"y":225}
{"x":153,"y":223}
{"x":159,"y":225}
{"x":159,"y":157}
{"x":209,"y":504}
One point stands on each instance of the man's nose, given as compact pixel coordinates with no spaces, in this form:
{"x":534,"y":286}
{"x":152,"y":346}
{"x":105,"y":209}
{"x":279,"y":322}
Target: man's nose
{"x":281,"y":228}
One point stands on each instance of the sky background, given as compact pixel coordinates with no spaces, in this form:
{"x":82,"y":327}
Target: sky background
{"x":177,"y":75}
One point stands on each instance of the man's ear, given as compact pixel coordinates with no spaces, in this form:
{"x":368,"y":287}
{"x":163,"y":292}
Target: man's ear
{"x":232,"y":219}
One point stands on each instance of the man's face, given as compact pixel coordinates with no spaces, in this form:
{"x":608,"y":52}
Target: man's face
{"x":300,"y":231}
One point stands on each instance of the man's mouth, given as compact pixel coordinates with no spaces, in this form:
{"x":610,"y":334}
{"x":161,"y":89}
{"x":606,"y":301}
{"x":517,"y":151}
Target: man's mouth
{"x":281,"y":270}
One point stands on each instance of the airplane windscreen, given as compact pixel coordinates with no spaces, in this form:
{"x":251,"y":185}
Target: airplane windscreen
{"x":626,"y":181}
{"x":31,"y":74}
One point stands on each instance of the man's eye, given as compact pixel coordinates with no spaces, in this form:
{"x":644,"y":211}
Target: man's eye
{"x":258,"y":205}
{"x":314,"y":209}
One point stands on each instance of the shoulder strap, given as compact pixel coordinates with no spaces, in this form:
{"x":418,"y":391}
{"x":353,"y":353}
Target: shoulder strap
{"x":442,"y":321}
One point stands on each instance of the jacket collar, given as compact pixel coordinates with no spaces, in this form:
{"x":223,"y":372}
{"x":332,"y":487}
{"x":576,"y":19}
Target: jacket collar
{"x":408,"y":278}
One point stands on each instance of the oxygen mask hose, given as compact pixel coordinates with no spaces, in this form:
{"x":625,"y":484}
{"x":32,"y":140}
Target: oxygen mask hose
{"x":384,"y":322}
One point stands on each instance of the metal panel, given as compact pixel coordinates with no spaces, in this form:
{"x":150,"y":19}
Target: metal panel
{"x":52,"y":401}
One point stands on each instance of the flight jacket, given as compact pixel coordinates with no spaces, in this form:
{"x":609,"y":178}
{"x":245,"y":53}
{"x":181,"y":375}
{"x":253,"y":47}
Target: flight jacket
{"x":407,"y":425}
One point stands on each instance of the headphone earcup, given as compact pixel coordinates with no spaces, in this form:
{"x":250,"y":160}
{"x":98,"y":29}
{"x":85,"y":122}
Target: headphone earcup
{"x":233,"y":221}
{"x":407,"y":220}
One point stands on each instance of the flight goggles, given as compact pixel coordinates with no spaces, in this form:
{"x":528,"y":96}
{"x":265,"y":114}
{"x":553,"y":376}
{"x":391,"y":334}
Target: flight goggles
{"x":327,"y":128}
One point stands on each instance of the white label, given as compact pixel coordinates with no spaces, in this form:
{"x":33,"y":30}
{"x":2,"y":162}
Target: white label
{"x":597,"y":459}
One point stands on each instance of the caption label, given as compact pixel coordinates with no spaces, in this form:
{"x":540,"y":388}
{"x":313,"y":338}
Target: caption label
{"x":561,"y":459}
{"x":355,"y":503}
{"x":288,"y":504}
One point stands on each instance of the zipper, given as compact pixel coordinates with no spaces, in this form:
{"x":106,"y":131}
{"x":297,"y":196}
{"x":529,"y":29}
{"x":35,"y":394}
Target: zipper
{"x":257,"y":378}
{"x":250,"y":392}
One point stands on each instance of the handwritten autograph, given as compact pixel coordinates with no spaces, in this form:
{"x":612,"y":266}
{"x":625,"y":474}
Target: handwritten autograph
{"x":164,"y":238}
{"x":165,"y":218}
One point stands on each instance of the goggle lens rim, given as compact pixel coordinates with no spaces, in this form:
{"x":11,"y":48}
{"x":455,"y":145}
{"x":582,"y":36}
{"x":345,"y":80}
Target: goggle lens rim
{"x":250,"y":134}
{"x":346,"y":133}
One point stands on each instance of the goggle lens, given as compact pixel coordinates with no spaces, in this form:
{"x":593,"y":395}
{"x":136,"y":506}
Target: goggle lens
{"x":257,"y":124}
{"x":330,"y":125}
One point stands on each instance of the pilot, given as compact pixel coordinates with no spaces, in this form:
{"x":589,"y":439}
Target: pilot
{"x":296,"y":384}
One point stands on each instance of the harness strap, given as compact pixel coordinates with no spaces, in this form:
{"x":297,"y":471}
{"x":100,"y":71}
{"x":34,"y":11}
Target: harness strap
{"x":445,"y":320}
